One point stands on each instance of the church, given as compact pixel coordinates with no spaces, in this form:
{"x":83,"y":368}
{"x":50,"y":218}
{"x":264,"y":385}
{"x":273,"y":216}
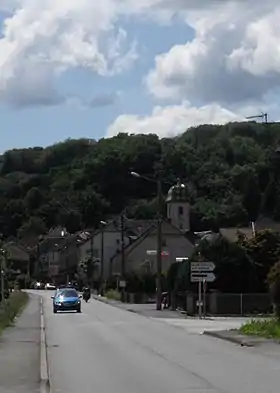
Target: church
{"x":177,"y":239}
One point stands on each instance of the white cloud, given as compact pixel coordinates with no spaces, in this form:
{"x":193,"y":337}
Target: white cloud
{"x":234,"y":57}
{"x":172,"y":120}
{"x":43,"y":38}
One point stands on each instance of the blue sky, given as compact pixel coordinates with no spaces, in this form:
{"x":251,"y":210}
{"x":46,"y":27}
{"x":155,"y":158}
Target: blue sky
{"x":93,"y":70}
{"x":43,"y":126}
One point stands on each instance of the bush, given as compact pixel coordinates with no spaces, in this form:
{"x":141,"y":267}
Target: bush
{"x":113,"y":294}
{"x":11,"y":308}
{"x":273,"y":279}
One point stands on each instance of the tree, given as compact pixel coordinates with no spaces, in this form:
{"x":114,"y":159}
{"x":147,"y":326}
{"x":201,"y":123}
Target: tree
{"x":264,"y":250}
{"x":235,"y":270}
{"x":229,"y":169}
{"x":34,"y":226}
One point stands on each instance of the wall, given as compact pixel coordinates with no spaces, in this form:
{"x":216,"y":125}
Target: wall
{"x":112,"y":242}
{"x":180,"y":221}
{"x":176,"y":245}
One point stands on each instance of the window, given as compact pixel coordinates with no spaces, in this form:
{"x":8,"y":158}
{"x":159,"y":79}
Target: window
{"x":95,"y":252}
{"x":180,"y":210}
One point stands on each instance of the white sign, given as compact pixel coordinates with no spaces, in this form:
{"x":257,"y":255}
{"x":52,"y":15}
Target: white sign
{"x":154,"y":252}
{"x":202,"y":266}
{"x":122,"y":284}
{"x":181,"y":259}
{"x":200,"y":277}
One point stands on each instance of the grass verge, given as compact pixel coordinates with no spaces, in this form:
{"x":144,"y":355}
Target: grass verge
{"x":269,"y":328}
{"x":13,"y":307}
{"x":113,"y":295}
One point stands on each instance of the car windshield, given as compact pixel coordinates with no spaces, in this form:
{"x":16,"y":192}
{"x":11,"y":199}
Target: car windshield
{"x":68,"y":293}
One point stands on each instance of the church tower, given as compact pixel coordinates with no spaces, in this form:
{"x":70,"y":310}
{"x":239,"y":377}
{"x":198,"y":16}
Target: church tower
{"x":178,"y":206}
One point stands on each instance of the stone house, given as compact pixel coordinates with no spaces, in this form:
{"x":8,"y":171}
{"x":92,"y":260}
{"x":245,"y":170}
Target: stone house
{"x":109,"y":237}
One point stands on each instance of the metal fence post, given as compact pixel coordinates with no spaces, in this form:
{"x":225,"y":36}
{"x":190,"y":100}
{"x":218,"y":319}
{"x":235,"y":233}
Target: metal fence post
{"x":241,"y":304}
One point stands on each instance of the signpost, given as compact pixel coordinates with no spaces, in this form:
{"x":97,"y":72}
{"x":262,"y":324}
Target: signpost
{"x":202,"y":266}
{"x":208,"y":277}
{"x":202,"y":272}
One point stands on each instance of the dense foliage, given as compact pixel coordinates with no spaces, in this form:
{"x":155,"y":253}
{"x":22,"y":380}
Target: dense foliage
{"x":232,"y":172}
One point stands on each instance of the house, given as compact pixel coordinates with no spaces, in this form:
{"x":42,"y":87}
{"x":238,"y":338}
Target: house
{"x":108,"y":239}
{"x":18,"y":256}
{"x":177,"y":239}
{"x":55,"y":252}
{"x":142,"y":254}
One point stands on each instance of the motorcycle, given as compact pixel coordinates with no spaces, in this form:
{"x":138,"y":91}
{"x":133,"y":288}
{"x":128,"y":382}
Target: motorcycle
{"x":86,"y":296}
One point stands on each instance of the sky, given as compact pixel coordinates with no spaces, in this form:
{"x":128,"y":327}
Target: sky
{"x":93,"y":69}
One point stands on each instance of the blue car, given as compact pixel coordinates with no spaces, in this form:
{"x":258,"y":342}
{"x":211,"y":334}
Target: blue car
{"x":66,"y":299}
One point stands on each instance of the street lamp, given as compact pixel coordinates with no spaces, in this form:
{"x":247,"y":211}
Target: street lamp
{"x":159,"y":236}
{"x":101,"y":280}
{"x":63,"y":234}
{"x":2,"y":272}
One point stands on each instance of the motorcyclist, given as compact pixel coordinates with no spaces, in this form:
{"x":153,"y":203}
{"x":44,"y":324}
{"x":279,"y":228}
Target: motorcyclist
{"x":86,"y":292}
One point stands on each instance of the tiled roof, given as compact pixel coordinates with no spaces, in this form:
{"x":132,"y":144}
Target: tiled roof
{"x":167,"y":229}
{"x":16,"y":252}
{"x":263,"y":223}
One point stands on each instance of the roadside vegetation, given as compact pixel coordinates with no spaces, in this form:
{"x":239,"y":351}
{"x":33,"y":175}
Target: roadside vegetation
{"x":113,"y":295}
{"x":269,"y":328}
{"x":12,"y":307}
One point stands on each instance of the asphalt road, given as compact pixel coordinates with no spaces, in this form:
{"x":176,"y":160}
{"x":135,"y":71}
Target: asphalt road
{"x":106,"y":349}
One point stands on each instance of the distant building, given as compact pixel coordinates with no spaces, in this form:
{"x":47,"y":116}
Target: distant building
{"x":177,"y":239}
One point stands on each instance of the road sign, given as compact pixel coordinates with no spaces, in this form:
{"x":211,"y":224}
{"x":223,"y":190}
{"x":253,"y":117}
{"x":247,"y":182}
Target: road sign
{"x":122,"y":284}
{"x":201,"y":276}
{"x":154,"y":252}
{"x":181,"y":259}
{"x":202,"y":266}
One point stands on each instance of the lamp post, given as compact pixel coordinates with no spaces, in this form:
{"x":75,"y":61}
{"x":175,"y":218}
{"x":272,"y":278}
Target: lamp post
{"x":159,"y":236}
{"x":63,"y":234}
{"x":2,"y":272}
{"x":101,"y":279}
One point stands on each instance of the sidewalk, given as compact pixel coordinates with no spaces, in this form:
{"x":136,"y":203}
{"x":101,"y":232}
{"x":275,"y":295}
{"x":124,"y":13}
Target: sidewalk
{"x":20,"y":352}
{"x":148,"y":310}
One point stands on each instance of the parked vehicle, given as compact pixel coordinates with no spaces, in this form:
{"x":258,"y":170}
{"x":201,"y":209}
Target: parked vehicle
{"x":66,"y":300}
{"x":39,"y":285}
{"x":49,"y":286}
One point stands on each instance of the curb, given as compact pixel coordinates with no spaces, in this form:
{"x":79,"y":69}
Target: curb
{"x":44,"y":370}
{"x":234,"y":340}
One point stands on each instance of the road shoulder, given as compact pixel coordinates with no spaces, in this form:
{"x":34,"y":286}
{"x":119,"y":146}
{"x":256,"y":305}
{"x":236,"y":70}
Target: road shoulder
{"x":20,"y":351}
{"x":236,"y":337}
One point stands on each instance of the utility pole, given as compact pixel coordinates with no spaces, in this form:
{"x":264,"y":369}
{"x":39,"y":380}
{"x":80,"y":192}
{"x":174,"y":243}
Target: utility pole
{"x":102,"y":261}
{"x":91,"y":254}
{"x":159,"y":245}
{"x":123,"y":256}
{"x":3,"y":268}
{"x":67,"y":262}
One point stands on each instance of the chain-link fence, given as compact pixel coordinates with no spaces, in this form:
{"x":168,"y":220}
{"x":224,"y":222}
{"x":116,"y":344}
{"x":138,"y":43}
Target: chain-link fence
{"x":230,"y":303}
